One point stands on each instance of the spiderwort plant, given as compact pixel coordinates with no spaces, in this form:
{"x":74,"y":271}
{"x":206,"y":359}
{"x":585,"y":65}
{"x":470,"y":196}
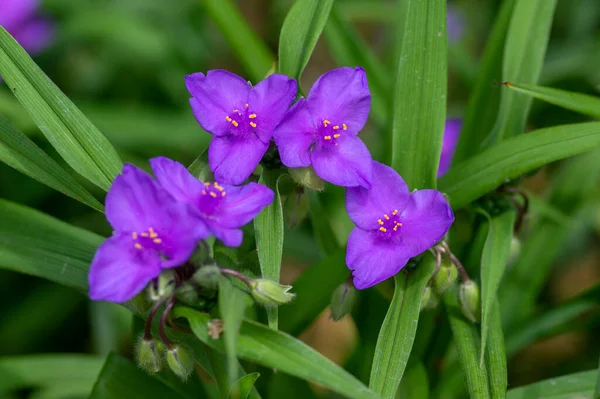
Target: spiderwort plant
{"x":392,"y":225}
{"x":23,"y":21}
{"x":321,"y":130}
{"x":241,"y":118}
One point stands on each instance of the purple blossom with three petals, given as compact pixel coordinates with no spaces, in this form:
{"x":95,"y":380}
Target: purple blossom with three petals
{"x":222,"y":208}
{"x":322,"y":129}
{"x":241,"y":118}
{"x":392,"y":225}
{"x":152,"y":232}
{"x":450,"y":141}
{"x":21,"y":19}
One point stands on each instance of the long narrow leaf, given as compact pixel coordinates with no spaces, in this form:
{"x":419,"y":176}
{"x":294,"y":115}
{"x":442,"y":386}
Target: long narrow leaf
{"x":578,"y":385}
{"x":75,"y":138}
{"x":495,"y":356}
{"x":420,"y":94}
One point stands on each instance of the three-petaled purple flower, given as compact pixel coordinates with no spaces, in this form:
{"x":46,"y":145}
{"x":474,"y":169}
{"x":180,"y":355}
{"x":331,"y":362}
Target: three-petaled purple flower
{"x":451,"y":135}
{"x":20,"y":19}
{"x":221,"y":208}
{"x":241,"y":117}
{"x":322,"y":129}
{"x":393,"y":225}
{"x":152,"y":232}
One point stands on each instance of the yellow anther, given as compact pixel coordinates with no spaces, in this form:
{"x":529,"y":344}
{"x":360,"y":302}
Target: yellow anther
{"x":344,"y":126}
{"x":252,"y":124}
{"x":246,"y":105}
{"x":383,"y":229}
{"x":396,"y":228}
{"x":398,"y":224}
{"x":228,"y":119}
{"x":207,"y":184}
{"x":144,"y":234}
{"x":234,"y":123}
{"x":336,"y":136}
{"x":327,"y":137}
{"x":157,"y":241}
{"x":326,"y":122}
{"x":216,"y":185}
{"x":134,"y":235}
{"x":380,"y":221}
{"x":213,"y":194}
{"x":336,"y":127}
{"x":386,"y":217}
{"x":252,"y":116}
{"x":235,"y":110}
{"x":138,"y":246}
{"x":395,"y":212}
{"x":203,"y":192}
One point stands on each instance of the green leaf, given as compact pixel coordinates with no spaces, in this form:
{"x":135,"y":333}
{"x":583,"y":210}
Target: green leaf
{"x":484,"y":100}
{"x":495,"y":356}
{"x":494,"y":260}
{"x":510,"y":158}
{"x":75,"y":138}
{"x":274,"y":349}
{"x":232,"y":306}
{"x":122,"y":379}
{"x":243,"y":387}
{"x":321,"y":225}
{"x":420,"y":94}
{"x":415,"y":383}
{"x":268,"y":227}
{"x":219,"y":365}
{"x":20,"y":372}
{"x":526,"y":43}
{"x":200,"y":167}
{"x":597,"y":390}
{"x":582,"y":103}
{"x":37,"y":244}
{"x":252,"y":52}
{"x":399,"y":328}
{"x":299,"y":34}
{"x":19,"y":152}
{"x":313,"y":292}
{"x":467,"y":341}
{"x":578,"y":385}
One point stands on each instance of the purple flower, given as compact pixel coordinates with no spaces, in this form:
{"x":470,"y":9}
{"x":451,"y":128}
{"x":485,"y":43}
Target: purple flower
{"x":451,"y":135}
{"x":321,"y":129}
{"x":393,"y":225}
{"x":455,"y":23}
{"x":151,"y":232}
{"x":241,"y":118}
{"x":20,"y":19}
{"x":223,"y":209}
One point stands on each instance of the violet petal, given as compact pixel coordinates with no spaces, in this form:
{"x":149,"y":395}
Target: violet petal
{"x":347,"y":164}
{"x":233,"y":159}
{"x":295,"y":135}
{"x":451,"y":136}
{"x":242,"y":204}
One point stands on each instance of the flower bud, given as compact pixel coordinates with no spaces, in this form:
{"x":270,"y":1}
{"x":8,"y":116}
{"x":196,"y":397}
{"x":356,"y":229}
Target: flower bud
{"x":140,"y":302}
{"x":342,"y":301}
{"x":162,"y":287}
{"x":307,"y":177}
{"x":207,"y":277}
{"x":149,"y":354}
{"x":295,"y":208}
{"x":515,"y":250}
{"x":269,"y":293}
{"x":445,"y":277}
{"x":180,"y":361}
{"x":468,"y":296}
{"x":429,"y":300}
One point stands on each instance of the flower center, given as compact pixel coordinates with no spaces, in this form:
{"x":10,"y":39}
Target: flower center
{"x":211,"y":197}
{"x":148,"y":239}
{"x":330,"y":133}
{"x":242,"y":122}
{"x":389,"y":223}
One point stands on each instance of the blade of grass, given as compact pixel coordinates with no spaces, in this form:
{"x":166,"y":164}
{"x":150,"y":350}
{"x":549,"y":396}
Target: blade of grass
{"x":495,"y":356}
{"x":578,"y":385}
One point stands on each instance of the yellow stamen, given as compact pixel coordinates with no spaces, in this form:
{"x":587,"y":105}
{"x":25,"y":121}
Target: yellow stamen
{"x":216,"y":185}
{"x":235,"y":110}
{"x":207,"y":184}
{"x":395,"y":212}
{"x":336,"y":136}
{"x":138,"y":246}
{"x":252,"y":116}
{"x":386,"y":217}
{"x":396,"y":228}
{"x":380,"y":221}
{"x":326,"y":122}
{"x":327,"y":137}
{"x":134,"y":235}
{"x":213,"y":194}
{"x":246,"y":105}
{"x":336,"y":127}
{"x":228,"y":119}
{"x":252,"y":124}
{"x":344,"y":126}
{"x":234,"y":123}
{"x":157,"y":241}
{"x":383,"y":229}
{"x":144,"y":234}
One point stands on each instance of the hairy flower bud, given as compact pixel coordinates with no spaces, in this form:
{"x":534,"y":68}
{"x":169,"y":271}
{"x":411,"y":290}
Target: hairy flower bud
{"x":180,"y":361}
{"x":306,"y":177}
{"x":269,"y":293}
{"x":445,"y":277}
{"x":429,"y":300}
{"x":342,"y":301}
{"x":515,"y":250}
{"x":140,"y":303}
{"x":468,"y":296}
{"x":163,"y":287}
{"x":207,"y":277}
{"x":149,"y":354}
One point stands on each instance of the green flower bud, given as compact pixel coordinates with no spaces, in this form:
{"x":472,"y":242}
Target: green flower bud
{"x":429,"y":300}
{"x":468,"y":296}
{"x":342,"y":301}
{"x":269,"y":293}
{"x":180,"y":361}
{"x":149,"y":354}
{"x":515,"y":250}
{"x":207,"y":277}
{"x":163,"y":287}
{"x":307,"y":177}
{"x":140,"y":302}
{"x":295,"y":208}
{"x":445,"y":277}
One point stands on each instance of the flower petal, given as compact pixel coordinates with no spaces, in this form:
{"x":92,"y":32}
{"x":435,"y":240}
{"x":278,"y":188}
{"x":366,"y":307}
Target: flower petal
{"x":242,"y":204}
{"x":269,"y":100}
{"x":135,"y":201}
{"x":119,"y":271}
{"x":35,"y":35}
{"x":451,"y":135}
{"x":229,"y":237}
{"x":341,"y":96}
{"x":15,"y":12}
{"x":295,"y":135}
{"x":180,"y":241}
{"x":388,"y":192}
{"x":233,"y":159}
{"x":176,"y":179}
{"x":425,"y":220}
{"x":215,"y":96}
{"x":371,"y":259}
{"x":347,"y":164}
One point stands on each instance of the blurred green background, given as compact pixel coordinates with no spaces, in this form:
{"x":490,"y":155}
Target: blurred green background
{"x":123,"y":61}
